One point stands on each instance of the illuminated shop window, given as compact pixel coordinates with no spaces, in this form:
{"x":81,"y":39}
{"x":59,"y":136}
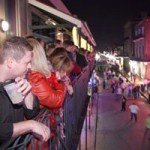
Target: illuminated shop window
{"x":83,"y":43}
{"x":75,"y":36}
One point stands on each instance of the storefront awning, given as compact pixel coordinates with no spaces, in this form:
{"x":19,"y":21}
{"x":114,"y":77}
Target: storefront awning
{"x":85,"y":29}
{"x":56,"y":12}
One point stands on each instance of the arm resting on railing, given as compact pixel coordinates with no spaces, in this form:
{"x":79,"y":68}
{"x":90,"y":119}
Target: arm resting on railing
{"x":31,"y":126}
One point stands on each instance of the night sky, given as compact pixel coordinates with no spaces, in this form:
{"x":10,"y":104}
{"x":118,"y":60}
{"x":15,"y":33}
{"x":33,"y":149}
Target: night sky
{"x":106,"y":18}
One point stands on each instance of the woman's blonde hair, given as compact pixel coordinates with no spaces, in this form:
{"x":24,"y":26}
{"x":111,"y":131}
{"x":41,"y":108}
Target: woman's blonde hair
{"x":39,"y":61}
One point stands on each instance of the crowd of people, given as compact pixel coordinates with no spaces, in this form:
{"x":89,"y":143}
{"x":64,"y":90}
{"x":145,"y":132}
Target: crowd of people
{"x":42,"y":78}
{"x":122,"y":89}
{"x":120,"y":85}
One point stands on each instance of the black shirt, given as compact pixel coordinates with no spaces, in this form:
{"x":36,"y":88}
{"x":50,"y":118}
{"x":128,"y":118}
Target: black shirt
{"x":78,"y":58}
{"x":81,"y":60}
{"x":10,"y":113}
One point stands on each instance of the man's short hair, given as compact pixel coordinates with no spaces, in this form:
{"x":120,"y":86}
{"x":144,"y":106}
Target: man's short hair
{"x":14,"y":47}
{"x":57,"y":41}
{"x":68,"y":43}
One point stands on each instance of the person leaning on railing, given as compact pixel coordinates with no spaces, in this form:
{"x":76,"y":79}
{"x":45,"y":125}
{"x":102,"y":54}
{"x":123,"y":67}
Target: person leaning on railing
{"x":79,"y":60}
{"x":39,"y":78}
{"x":45,"y":85}
{"x":63,"y":66}
{"x":15,"y":61}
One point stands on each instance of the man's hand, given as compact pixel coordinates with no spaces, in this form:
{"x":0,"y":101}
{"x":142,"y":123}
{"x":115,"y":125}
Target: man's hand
{"x":23,"y":86}
{"x":30,"y":126}
{"x":40,"y":131}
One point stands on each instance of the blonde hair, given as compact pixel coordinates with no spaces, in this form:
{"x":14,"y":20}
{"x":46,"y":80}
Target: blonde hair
{"x":39,"y":61}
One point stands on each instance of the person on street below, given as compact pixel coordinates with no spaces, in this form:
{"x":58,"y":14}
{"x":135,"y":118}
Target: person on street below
{"x":15,"y":61}
{"x":134,"y":110}
{"x":123,"y":103}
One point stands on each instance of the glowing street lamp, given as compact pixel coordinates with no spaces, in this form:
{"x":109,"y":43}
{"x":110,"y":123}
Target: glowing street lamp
{"x":4,"y":25}
{"x":97,"y":57}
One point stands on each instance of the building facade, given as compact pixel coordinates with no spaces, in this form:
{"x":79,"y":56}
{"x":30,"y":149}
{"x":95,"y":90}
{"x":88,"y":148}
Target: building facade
{"x":140,"y":63}
{"x":46,"y":19}
{"x":128,"y":39}
{"x":142,"y":40}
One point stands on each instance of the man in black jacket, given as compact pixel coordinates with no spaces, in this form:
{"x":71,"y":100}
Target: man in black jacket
{"x":15,"y":61}
{"x":74,"y":55}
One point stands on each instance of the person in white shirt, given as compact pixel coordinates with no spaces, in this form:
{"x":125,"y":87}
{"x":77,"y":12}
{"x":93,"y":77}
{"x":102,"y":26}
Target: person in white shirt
{"x":119,"y":91}
{"x":134,"y":110}
{"x":123,"y":86}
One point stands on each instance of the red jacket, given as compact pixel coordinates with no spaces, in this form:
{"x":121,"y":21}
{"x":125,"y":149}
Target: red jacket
{"x":49,"y":91}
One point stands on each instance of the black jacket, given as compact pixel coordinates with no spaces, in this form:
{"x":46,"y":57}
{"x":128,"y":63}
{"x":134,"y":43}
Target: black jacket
{"x":10,"y":113}
{"x":81,"y":60}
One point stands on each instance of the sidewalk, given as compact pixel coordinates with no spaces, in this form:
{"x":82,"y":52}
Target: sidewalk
{"x":114,"y":130}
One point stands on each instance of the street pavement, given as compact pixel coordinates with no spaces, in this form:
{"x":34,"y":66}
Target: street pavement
{"x":114,"y":129}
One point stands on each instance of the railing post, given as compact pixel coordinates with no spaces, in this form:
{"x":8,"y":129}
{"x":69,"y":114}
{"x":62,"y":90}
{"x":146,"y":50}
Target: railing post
{"x":89,"y":110}
{"x":96,"y":120}
{"x":80,"y":144}
{"x":86,"y":133}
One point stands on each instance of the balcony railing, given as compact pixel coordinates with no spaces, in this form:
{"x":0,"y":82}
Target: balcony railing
{"x":72,"y":115}
{"x":139,"y":36}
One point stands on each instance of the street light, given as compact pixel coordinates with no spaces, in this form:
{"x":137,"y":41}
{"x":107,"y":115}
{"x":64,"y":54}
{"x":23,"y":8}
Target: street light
{"x":145,"y":63}
{"x":4,"y":25}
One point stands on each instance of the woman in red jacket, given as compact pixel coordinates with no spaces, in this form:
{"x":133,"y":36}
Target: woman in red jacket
{"x":50,"y":94}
